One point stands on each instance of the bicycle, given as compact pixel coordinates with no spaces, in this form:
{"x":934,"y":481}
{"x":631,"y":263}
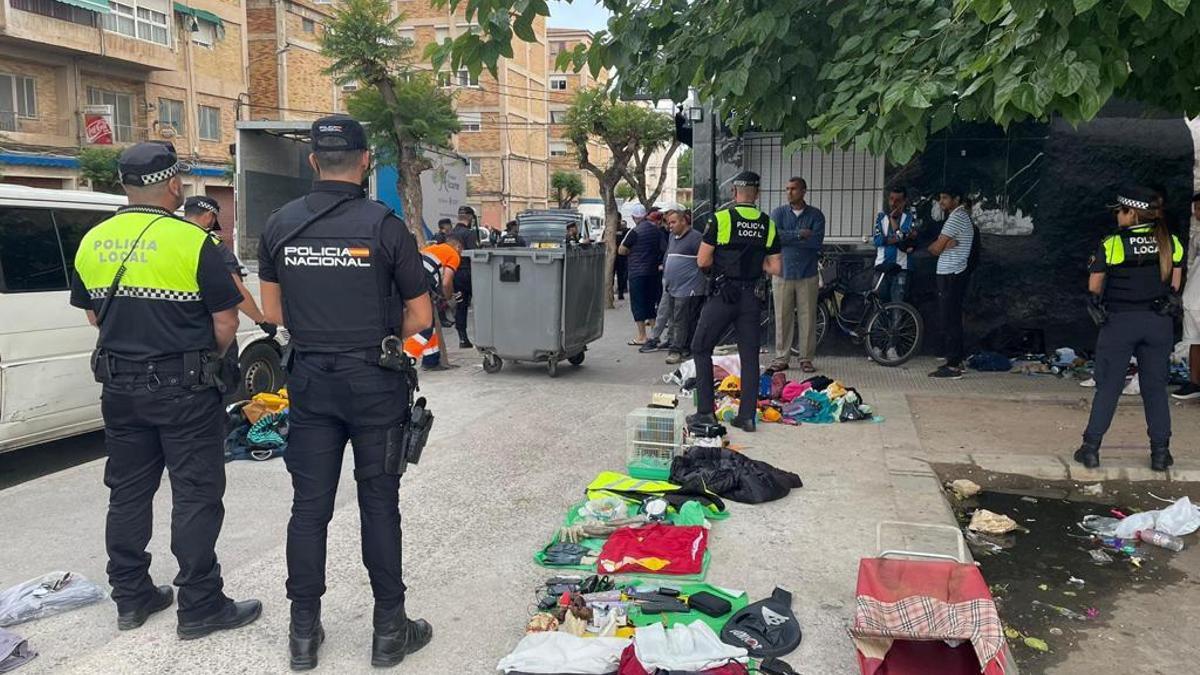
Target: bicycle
{"x":891,"y":332}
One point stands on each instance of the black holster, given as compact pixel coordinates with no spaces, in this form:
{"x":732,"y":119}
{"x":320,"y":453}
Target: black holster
{"x":101,"y":366}
{"x":404,"y":443}
{"x":1169,"y":305}
{"x":205,"y":369}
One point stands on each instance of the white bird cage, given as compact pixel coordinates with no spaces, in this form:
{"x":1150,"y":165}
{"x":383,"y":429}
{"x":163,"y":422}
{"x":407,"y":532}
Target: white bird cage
{"x":654,"y":436}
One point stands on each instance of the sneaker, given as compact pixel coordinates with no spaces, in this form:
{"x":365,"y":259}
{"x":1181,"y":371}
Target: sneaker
{"x":892,"y":354}
{"x":465,"y":344}
{"x":651,"y":345}
{"x":1187,"y":392}
{"x":1089,"y":383}
{"x":947,"y":373}
{"x":673,"y":358}
{"x":1133,"y":387}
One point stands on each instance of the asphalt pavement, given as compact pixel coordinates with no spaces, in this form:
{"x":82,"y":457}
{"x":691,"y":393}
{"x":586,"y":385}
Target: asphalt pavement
{"x":509,"y":452}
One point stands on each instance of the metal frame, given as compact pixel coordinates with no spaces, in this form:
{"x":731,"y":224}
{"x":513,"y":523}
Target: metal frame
{"x":958,"y":537}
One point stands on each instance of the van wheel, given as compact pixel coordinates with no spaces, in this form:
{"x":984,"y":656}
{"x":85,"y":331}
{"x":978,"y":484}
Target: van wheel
{"x":261,"y":371}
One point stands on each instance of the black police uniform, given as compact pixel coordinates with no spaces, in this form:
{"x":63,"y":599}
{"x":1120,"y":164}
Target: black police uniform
{"x":344,"y":278}
{"x":743,"y":237}
{"x":1134,"y":293}
{"x":232,"y":370}
{"x":469,"y":236}
{"x":156,"y":335}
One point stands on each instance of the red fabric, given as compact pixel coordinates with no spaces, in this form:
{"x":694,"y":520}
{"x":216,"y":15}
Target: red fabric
{"x":682,"y":546}
{"x":919,"y":604}
{"x":631,"y":666}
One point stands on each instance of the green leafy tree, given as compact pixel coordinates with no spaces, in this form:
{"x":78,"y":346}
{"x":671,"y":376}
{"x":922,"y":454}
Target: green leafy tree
{"x":403,"y":105}
{"x":567,"y":186}
{"x":625,"y":192}
{"x":99,"y":166}
{"x":887,"y":74}
{"x":632,"y":134}
{"x":684,"y":168}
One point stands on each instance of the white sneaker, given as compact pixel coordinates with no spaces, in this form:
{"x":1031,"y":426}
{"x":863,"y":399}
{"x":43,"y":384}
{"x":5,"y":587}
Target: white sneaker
{"x":1133,"y":387}
{"x":1090,"y":383}
{"x":892,"y":354}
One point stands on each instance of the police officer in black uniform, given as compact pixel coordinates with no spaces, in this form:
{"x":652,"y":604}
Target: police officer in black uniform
{"x":155,"y":286}
{"x":512,"y":236}
{"x":342,"y":272}
{"x":467,"y":233}
{"x":205,"y":212}
{"x":739,"y":245}
{"x":1134,"y":283}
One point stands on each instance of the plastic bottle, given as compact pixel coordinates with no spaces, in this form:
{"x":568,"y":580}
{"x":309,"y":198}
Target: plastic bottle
{"x":1161,"y":539}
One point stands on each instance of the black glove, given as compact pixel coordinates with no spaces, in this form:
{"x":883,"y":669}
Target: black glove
{"x":269,"y":328}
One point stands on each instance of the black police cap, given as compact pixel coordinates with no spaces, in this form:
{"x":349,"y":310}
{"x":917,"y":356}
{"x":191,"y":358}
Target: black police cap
{"x":203,"y":203}
{"x":338,"y":132}
{"x":1135,"y":197}
{"x":466,"y":211}
{"x":746,"y":179}
{"x":149,"y":163}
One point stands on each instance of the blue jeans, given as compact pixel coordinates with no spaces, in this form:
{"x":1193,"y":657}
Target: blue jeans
{"x":894,"y":287}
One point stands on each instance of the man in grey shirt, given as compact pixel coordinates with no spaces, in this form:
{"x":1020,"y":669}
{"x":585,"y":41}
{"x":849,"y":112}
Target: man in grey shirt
{"x":683,"y":281}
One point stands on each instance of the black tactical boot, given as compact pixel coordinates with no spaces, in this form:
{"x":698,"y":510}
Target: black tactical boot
{"x":134,"y":618}
{"x":397,"y":636}
{"x":747,"y":424}
{"x":701,"y":418}
{"x":305,"y":635}
{"x":232,"y":615}
{"x":1160,"y":458}
{"x":1088,"y":455}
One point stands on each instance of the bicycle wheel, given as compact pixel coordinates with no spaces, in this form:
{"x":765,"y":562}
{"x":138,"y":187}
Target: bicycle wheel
{"x":822,"y":323}
{"x":893,"y":334}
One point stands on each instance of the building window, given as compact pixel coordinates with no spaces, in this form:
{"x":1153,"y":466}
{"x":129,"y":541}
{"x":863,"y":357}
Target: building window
{"x":57,"y":10}
{"x":409,"y":34}
{"x":560,"y":149}
{"x":462,"y":78}
{"x":558,"y":83}
{"x":349,"y":87}
{"x":122,"y":106}
{"x":558,"y":116}
{"x":470,"y":121}
{"x":209,"y":119}
{"x":474,"y":166}
{"x":141,"y":19}
{"x":170,"y":114}
{"x":205,"y":33}
{"x":18,"y":98}
{"x":441,"y":34}
{"x":308,"y":25}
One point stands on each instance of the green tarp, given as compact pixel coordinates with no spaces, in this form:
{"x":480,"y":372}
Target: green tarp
{"x":201,"y":14}
{"x":98,"y":6}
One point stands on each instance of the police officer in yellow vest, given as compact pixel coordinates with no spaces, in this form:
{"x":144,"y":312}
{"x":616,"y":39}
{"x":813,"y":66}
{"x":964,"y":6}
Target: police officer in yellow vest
{"x":1134,"y":283}
{"x":156,"y":287}
{"x":343,"y":273}
{"x":739,"y":245}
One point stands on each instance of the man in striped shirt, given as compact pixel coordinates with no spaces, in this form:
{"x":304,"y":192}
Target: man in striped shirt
{"x":953,"y":251}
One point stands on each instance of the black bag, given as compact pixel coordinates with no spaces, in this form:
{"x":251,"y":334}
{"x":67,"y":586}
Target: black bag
{"x":707,"y":603}
{"x":765,"y":628}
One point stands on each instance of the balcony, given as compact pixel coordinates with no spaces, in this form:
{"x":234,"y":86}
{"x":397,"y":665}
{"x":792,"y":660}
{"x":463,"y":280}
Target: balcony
{"x":36,"y":131}
{"x":81,"y":27}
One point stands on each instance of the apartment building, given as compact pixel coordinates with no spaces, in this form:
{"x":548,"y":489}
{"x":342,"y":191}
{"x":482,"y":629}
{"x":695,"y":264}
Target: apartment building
{"x":563,"y":84}
{"x":287,"y":70}
{"x":157,"y":69}
{"x":505,"y":119}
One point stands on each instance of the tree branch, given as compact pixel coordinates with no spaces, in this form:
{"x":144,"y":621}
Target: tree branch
{"x":662,"y":174}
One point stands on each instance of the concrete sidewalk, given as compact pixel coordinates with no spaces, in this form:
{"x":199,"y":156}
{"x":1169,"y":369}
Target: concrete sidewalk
{"x":509,"y":453}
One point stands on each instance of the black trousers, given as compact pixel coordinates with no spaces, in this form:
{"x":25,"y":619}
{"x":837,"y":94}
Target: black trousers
{"x":462,"y":284}
{"x":685,"y":314}
{"x":144,"y":431}
{"x":337,"y":398}
{"x":717,"y":314}
{"x":1150,"y":337}
{"x":951,"y":291}
{"x":621,"y":268}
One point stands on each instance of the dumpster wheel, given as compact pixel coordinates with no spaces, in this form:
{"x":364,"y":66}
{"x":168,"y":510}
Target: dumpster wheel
{"x":492,"y":363}
{"x":552,"y":366}
{"x":576,"y":360}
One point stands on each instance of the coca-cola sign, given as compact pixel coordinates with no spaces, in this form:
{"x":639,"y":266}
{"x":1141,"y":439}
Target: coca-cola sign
{"x":98,"y":124}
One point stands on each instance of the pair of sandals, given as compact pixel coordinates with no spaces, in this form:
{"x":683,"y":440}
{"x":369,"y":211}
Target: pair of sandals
{"x":806,"y":366}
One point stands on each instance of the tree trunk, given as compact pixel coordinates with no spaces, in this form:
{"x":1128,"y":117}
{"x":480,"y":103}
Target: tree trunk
{"x":612,"y":222}
{"x":408,"y":185}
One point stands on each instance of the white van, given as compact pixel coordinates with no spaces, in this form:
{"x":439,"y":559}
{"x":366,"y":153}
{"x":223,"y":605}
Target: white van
{"x":47,"y":391}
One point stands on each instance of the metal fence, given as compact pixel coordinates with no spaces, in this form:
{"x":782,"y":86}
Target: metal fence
{"x":846,"y":185}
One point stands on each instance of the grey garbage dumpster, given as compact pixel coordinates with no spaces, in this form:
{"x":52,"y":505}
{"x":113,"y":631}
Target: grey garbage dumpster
{"x":538,"y":305}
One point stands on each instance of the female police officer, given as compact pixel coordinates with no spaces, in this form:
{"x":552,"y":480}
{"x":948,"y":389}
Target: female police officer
{"x":1135,"y":275}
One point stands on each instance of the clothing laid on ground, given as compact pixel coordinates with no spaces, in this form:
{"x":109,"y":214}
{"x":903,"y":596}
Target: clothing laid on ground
{"x":14,"y":651}
{"x":556,"y":652}
{"x":686,"y":647}
{"x":732,"y":475}
{"x":656,"y":549}
{"x":631,"y":666}
{"x":959,"y":228}
{"x":800,"y":254}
